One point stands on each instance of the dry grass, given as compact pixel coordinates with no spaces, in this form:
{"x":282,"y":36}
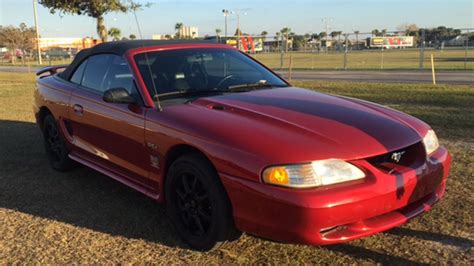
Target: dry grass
{"x":85,"y":217}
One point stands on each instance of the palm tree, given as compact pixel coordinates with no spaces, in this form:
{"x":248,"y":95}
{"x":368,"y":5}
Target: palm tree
{"x":333,"y":35}
{"x":178,"y":26}
{"x":375,"y":32}
{"x":264,"y":35}
{"x":115,"y":33}
{"x":286,"y":32}
{"x":238,"y":32}
{"x":218,"y":33}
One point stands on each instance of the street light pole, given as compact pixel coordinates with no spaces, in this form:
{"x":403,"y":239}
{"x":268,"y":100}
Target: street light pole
{"x":37,"y":32}
{"x":226,"y":14}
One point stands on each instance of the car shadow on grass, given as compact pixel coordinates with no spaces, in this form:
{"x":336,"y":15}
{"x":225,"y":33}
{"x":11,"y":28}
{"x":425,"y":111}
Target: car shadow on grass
{"x":82,"y":197}
{"x":459,"y":242}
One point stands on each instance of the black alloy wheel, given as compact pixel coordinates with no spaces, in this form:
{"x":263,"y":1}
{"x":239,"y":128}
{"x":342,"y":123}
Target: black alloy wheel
{"x":198,"y":205}
{"x":56,"y":150}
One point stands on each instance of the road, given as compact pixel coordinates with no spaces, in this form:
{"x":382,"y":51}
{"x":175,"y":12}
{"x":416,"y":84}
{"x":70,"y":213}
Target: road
{"x":442,"y":77}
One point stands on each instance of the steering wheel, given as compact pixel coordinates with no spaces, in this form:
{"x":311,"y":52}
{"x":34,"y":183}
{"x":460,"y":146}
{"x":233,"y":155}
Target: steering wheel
{"x":224,"y":79}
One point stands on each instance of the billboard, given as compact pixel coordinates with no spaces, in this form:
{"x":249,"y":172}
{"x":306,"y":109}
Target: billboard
{"x":392,"y":41}
{"x":246,"y":44}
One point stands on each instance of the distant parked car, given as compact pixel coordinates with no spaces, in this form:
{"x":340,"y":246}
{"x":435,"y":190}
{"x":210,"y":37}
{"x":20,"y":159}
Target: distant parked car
{"x":58,"y":53}
{"x":230,"y":146}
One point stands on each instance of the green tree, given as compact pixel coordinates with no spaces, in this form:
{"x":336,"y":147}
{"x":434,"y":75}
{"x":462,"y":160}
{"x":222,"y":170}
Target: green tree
{"x":132,"y":36}
{"x":238,"y":32}
{"x":264,"y":35}
{"x":218,"y":32}
{"x":17,"y":38}
{"x":115,"y":33}
{"x":178,"y":26}
{"x":93,"y":8}
{"x":277,"y":38}
{"x":323,"y":35}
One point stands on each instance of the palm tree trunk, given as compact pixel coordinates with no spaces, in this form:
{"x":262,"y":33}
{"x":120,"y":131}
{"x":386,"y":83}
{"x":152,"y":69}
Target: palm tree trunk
{"x":101,"y":29}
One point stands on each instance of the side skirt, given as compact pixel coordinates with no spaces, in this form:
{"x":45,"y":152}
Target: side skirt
{"x":117,"y":176}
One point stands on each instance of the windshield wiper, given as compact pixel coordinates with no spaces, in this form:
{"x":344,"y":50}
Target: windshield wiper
{"x":251,"y":86}
{"x":188,"y":93}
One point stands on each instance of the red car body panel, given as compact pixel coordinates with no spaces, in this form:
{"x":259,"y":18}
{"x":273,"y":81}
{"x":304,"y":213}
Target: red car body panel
{"x":242,"y":134}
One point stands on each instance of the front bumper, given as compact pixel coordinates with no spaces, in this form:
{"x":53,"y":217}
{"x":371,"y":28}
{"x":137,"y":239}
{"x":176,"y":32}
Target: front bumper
{"x":339,"y":213}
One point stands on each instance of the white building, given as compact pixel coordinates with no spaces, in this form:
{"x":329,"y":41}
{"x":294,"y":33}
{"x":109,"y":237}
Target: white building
{"x":162,"y":36}
{"x":188,"y":32}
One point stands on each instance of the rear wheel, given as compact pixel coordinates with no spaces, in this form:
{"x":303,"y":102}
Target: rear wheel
{"x":55,"y":145}
{"x":197,"y":204}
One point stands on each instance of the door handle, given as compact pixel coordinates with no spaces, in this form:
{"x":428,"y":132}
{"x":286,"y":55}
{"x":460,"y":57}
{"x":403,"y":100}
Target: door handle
{"x":78,"y":109}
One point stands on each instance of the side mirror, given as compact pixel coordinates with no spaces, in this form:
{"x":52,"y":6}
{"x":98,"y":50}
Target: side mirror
{"x":118,"y":95}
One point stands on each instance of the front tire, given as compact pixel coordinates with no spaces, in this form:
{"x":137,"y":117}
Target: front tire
{"x":197,"y":204}
{"x":55,"y":146}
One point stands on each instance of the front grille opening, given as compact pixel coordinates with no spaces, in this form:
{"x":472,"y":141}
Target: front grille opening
{"x":411,"y":156}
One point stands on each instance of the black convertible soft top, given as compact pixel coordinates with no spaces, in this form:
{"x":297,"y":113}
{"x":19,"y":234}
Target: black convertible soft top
{"x":120,"y":48}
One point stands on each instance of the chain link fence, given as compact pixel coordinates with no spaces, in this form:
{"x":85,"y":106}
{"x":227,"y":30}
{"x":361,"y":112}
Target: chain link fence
{"x":341,"y":51}
{"x":357,"y":52}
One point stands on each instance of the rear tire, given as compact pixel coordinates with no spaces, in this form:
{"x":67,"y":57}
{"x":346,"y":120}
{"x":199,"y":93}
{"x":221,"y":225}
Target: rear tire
{"x":55,"y":146}
{"x":197,"y":204}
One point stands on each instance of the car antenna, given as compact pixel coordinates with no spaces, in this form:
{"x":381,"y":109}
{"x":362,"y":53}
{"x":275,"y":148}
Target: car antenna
{"x":134,"y":7}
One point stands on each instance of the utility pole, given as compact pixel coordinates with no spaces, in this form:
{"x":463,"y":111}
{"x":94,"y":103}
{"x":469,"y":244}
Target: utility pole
{"x":346,"y":50}
{"x":466,"y":46}
{"x":326,"y":22}
{"x":239,"y":12}
{"x":37,"y":32}
{"x":238,"y":22}
{"x":383,"y":45}
{"x":422,"y":49}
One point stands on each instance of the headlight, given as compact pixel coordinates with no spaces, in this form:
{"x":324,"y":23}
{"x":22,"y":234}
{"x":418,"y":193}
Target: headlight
{"x":317,"y":173}
{"x":430,"y":141}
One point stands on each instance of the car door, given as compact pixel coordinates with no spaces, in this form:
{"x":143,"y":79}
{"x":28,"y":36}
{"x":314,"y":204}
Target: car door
{"x":109,"y":135}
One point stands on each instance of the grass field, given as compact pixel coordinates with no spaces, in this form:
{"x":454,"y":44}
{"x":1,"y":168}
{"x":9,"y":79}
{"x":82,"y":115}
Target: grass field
{"x":371,"y":60}
{"x":85,"y":217}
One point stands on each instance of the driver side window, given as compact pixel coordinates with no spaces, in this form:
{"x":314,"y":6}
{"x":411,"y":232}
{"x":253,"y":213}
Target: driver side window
{"x":103,"y":72}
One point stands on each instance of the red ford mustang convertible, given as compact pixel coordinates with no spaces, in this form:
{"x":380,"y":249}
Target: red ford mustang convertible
{"x":230,"y":146}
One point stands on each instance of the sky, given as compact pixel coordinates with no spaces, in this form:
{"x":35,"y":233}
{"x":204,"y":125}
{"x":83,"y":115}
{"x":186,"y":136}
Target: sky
{"x":302,"y":16}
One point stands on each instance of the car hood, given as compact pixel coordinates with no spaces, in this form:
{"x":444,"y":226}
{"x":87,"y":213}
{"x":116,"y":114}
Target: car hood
{"x":291,"y":124}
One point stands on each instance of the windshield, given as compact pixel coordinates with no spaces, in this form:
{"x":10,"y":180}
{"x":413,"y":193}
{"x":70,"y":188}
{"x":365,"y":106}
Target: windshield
{"x":183,"y":72}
